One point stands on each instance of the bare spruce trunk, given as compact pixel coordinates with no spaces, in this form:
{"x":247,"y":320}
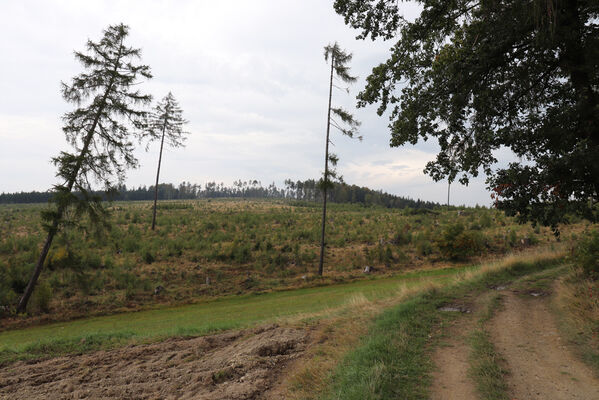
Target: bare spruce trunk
{"x":54,"y":229}
{"x":22,"y":306}
{"x":326,"y":175}
{"x":157,"y":176}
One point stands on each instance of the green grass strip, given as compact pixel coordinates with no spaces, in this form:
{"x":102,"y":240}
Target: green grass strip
{"x":485,"y":362}
{"x":202,"y":318}
{"x":486,"y":370}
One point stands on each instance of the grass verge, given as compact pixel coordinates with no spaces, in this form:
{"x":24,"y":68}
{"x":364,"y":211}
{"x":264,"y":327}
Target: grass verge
{"x":393,"y":361}
{"x":577,"y":309}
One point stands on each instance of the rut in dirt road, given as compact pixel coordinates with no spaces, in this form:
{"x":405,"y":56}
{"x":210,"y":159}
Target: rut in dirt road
{"x":541,"y":367}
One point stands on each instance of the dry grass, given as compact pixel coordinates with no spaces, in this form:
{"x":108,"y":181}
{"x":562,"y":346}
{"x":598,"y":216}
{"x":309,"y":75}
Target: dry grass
{"x":526,"y":256}
{"x":577,"y":304}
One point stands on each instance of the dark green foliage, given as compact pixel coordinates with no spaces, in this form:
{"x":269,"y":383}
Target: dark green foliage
{"x":403,"y":236}
{"x":41,"y":297}
{"x":479,"y":76}
{"x":8,"y":294}
{"x":18,"y":275}
{"x":148,"y":257}
{"x":103,"y":149}
{"x":241,"y":253}
{"x":587,"y":254}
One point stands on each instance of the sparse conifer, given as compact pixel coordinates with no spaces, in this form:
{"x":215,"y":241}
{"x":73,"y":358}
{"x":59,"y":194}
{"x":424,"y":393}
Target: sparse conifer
{"x":346,"y":124}
{"x":99,"y":130}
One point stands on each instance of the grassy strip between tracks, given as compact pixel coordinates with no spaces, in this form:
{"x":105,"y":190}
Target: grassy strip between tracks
{"x":485,"y":362}
{"x":393,"y":361}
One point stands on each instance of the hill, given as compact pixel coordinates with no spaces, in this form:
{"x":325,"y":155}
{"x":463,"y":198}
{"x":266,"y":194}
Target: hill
{"x":307,"y":190}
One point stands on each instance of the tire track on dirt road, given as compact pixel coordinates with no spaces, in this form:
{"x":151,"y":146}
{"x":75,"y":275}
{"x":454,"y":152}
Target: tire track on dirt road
{"x":541,"y":366}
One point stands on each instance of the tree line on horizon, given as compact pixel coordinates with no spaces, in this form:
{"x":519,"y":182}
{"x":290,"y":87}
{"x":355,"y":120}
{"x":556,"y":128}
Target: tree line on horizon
{"x":307,"y":190}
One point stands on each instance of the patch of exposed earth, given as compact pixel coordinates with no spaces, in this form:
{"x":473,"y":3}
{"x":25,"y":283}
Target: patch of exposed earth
{"x":540,"y":364}
{"x":233,"y":365}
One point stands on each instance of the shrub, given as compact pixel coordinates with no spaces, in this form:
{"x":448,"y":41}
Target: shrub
{"x":62,"y":258}
{"x":130,"y":244}
{"x":148,"y":257}
{"x":586,"y":255}
{"x":18,"y":276}
{"x":512,"y":238}
{"x":40,"y":300}
{"x":92,"y":260}
{"x":424,"y":247}
{"x":7,"y":295}
{"x":485,"y":221}
{"x":456,"y":243}
{"x":403,"y":236}
{"x":241,"y":253}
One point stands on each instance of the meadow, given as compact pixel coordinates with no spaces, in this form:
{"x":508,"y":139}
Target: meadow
{"x":204,"y":249}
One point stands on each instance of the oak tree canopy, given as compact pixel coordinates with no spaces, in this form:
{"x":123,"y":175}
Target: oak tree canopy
{"x":482,"y":75}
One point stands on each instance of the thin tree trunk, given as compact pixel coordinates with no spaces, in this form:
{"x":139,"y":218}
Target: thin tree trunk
{"x":326,"y":174}
{"x":54,"y":229}
{"x":22,"y":306}
{"x":157,"y":175}
{"x":448,"y":187}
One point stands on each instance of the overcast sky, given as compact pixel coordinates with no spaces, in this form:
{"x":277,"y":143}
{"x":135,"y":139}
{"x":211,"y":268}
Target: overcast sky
{"x":249,"y":75}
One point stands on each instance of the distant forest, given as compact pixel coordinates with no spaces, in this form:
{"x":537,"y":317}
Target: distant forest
{"x":308,"y":190}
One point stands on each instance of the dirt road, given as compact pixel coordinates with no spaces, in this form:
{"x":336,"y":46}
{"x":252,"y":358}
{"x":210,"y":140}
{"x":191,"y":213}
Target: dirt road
{"x":541,"y":366}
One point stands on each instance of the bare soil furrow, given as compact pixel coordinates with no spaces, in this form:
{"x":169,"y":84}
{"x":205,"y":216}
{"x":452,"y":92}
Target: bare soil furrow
{"x":236,"y":366}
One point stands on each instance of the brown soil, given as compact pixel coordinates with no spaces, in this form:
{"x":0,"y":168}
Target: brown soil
{"x":540,"y":365}
{"x":234,"y":365}
{"x":450,"y":378}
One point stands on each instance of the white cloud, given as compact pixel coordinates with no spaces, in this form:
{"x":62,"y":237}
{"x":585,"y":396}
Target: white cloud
{"x":250,"y":77}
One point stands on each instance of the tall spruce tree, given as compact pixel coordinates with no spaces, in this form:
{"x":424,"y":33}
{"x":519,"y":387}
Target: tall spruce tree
{"x":485,"y":75}
{"x":99,"y":131}
{"x":346,"y":124}
{"x":166,"y":122}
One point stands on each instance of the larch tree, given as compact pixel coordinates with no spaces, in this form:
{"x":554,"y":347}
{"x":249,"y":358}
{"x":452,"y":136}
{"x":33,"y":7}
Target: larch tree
{"x":346,"y":124}
{"x":99,"y":130}
{"x":485,"y":75}
{"x":166,"y":122}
